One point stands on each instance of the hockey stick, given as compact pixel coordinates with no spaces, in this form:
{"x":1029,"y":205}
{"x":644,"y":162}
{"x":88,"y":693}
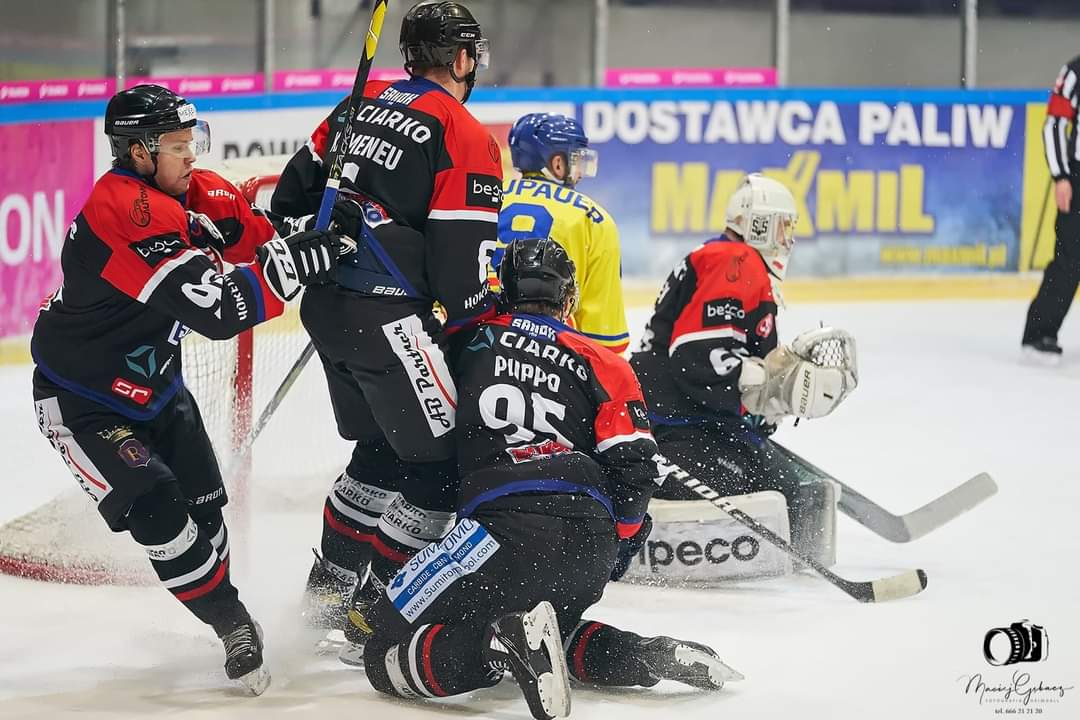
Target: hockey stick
{"x":906,"y":584}
{"x":912,"y":525}
{"x":330,"y":193}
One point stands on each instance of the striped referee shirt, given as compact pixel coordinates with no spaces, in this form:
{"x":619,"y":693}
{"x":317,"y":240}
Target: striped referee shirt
{"x":1059,"y":132}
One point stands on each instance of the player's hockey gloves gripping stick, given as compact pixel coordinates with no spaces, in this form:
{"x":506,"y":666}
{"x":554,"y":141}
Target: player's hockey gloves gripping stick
{"x":346,"y":218}
{"x":304,"y":258}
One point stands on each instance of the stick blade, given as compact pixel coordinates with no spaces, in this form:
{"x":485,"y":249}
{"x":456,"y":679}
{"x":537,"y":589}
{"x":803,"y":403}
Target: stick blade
{"x":906,"y":584}
{"x":949,"y":506}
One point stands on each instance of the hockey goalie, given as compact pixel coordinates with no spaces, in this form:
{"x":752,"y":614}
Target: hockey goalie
{"x":717,"y":383}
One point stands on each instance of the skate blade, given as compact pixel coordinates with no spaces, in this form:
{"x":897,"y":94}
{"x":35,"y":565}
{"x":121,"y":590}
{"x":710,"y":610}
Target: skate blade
{"x":351,"y":654}
{"x":256,"y":681}
{"x":331,"y":644}
{"x":717,"y":670}
{"x":542,"y":629}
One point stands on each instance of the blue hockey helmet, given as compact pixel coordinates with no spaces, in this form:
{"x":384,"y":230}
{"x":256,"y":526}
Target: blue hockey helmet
{"x":536,"y":137}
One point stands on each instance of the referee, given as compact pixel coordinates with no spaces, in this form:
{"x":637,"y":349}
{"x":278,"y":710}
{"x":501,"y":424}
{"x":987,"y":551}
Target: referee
{"x":1062,"y":275}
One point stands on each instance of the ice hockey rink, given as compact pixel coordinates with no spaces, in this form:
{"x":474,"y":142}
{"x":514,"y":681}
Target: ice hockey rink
{"x":942,"y":395}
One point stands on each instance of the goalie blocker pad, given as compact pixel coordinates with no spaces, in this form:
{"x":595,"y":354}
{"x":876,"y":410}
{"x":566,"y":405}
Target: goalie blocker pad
{"x":695,"y":544}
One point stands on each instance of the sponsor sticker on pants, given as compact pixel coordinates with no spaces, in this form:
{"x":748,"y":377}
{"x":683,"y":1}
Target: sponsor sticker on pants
{"x":435,"y":568}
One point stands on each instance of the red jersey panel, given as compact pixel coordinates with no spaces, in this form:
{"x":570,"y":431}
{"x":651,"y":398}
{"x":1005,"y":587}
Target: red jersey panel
{"x":140,"y":269}
{"x":714,"y":309}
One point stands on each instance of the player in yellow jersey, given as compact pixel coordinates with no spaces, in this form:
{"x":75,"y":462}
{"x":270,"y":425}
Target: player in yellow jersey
{"x":553,"y":154}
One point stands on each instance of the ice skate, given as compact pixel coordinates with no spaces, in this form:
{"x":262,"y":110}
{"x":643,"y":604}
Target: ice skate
{"x":687,"y":662}
{"x":1043,"y":351}
{"x":357,"y":628}
{"x":244,"y":659}
{"x":529,"y":643}
{"x":326,"y":596}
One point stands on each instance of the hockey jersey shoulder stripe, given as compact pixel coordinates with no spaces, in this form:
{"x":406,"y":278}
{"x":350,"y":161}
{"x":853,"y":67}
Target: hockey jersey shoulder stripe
{"x":724,"y":331}
{"x":614,"y":440}
{"x":163,"y":271}
{"x":491,"y":216}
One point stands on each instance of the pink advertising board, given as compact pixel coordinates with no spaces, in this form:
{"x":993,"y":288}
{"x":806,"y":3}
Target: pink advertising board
{"x":292,"y":80}
{"x":690,"y":77}
{"x":45,"y":90}
{"x":196,"y":85}
{"x":189,"y":85}
{"x":47,"y":174}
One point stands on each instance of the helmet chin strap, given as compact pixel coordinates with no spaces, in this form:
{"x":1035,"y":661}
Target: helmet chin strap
{"x":469,"y":80}
{"x":551,"y":176}
{"x":568,"y":181}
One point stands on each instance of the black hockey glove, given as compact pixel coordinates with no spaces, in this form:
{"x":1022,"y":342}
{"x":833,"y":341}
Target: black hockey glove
{"x":303,"y":258}
{"x":629,"y":547}
{"x":346,"y":218}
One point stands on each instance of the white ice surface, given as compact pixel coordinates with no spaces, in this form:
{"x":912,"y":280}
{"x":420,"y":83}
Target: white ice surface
{"x":942,"y":396}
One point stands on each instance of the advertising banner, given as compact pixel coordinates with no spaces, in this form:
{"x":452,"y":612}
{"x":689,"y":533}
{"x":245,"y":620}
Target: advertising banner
{"x":881,"y":187}
{"x":886,"y":182}
{"x":46,"y":175}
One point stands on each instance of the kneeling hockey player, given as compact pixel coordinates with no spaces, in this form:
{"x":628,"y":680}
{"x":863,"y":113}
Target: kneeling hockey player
{"x":557,"y":464}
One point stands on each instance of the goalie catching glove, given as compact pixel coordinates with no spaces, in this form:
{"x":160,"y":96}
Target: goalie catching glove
{"x":304,"y":258}
{"x":807,"y":380}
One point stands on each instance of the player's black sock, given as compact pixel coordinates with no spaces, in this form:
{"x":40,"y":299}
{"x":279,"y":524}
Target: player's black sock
{"x":185,"y":558}
{"x":604,"y":655}
{"x":350,"y":515}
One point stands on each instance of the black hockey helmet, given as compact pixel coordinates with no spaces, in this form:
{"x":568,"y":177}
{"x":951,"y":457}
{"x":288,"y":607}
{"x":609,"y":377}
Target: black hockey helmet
{"x":145,"y":113}
{"x":433,"y":31}
{"x":538,"y":270}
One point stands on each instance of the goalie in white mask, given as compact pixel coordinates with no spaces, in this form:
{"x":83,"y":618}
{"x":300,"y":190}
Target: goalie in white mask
{"x":716,"y":379}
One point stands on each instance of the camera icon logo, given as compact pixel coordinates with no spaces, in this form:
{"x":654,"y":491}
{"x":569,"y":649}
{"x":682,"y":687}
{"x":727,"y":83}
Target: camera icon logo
{"x":1022,"y":641}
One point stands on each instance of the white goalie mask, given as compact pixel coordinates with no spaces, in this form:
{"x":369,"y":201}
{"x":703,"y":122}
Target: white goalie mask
{"x":763,"y":212}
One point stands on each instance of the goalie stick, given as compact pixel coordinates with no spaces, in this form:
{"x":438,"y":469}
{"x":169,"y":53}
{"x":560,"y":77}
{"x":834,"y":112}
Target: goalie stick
{"x":330,"y":193}
{"x":905,"y":584}
{"x":912,"y":525}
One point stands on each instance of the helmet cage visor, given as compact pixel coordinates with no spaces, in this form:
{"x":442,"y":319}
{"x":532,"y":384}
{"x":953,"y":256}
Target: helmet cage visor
{"x":772,"y":233}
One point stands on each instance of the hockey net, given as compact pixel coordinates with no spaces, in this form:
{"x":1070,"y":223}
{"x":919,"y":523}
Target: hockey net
{"x":289,"y":468}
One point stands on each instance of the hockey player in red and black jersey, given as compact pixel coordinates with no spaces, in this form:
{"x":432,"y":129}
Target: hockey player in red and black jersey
{"x":139,"y":271}
{"x":557,"y":466}
{"x":716,"y":378}
{"x":428,"y":177}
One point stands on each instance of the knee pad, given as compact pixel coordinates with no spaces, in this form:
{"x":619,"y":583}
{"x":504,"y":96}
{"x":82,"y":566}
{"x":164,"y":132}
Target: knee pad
{"x":159,"y":516}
